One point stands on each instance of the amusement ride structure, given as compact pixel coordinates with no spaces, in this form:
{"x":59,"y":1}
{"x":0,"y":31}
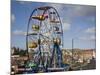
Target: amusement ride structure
{"x":44,"y":40}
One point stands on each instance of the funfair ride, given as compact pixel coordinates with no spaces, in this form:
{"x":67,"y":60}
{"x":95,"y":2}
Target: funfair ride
{"x":44,"y":40}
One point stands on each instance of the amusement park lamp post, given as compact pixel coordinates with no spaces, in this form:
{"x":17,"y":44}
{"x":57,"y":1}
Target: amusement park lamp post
{"x":73,"y":40}
{"x":72,"y":50}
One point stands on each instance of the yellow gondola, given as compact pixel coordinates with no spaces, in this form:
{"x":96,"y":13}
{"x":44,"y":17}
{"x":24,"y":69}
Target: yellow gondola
{"x":32,"y":45}
{"x":35,"y":27}
{"x":40,"y":17}
{"x":57,"y":41}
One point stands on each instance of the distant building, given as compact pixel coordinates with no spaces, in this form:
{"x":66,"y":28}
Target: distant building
{"x":88,"y":54}
{"x":12,"y":50}
{"x":79,"y":55}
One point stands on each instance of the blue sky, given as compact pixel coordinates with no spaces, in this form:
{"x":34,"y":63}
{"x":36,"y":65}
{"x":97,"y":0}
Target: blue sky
{"x":78,"y":21}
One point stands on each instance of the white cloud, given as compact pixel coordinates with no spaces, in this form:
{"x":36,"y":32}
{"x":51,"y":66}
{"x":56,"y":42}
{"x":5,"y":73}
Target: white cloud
{"x":12,"y":18}
{"x":24,"y":2}
{"x":93,"y":37}
{"x":21,"y":2}
{"x":88,"y":38}
{"x":66,"y":26}
{"x":91,"y":30}
{"x":18,"y":32}
{"x":79,"y":10}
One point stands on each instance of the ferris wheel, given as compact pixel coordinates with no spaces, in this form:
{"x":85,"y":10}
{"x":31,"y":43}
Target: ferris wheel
{"x":44,"y":38}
